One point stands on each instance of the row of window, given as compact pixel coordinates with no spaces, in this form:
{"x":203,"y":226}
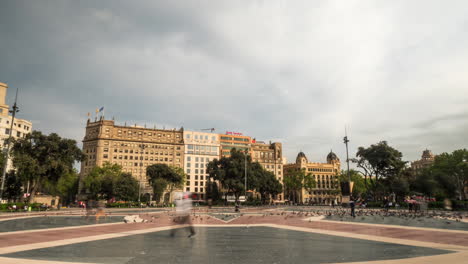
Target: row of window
{"x":196,"y":171}
{"x":196,"y":177}
{"x":320,"y":170}
{"x":201,"y":137}
{"x":187,"y":183}
{"x":120,"y":157}
{"x":142,"y":133}
{"x":235,"y":139}
{"x":187,"y":189}
{"x":25,"y":127}
{"x":197,"y":159}
{"x":18,"y":134}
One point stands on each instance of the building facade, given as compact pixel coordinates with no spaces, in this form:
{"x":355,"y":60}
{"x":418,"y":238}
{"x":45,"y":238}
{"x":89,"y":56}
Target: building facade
{"x":325,"y":175}
{"x":232,"y":140}
{"x":427,"y":159}
{"x":200,"y":149}
{"x":270,"y":156}
{"x":132,"y":147}
{"x":21,"y":127}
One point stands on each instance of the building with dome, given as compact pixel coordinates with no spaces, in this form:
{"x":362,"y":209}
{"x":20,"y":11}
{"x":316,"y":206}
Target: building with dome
{"x":427,"y":159}
{"x":325,"y":175}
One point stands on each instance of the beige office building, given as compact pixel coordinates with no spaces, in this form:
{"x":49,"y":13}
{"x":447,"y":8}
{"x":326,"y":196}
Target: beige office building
{"x":326,"y":177}
{"x":200,"y":149}
{"x":269,"y":155}
{"x":21,"y":127}
{"x":132,"y":147}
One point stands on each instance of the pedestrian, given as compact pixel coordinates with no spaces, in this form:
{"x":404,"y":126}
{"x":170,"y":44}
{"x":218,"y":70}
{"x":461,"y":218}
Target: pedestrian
{"x":183,"y":209}
{"x":352,"y":206}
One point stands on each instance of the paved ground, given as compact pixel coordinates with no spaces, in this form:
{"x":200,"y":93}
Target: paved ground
{"x":45,"y":222}
{"x":257,"y":235}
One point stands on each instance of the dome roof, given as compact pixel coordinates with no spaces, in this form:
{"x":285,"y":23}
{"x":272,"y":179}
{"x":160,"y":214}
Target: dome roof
{"x":300,"y":156}
{"x":332,"y":157}
{"x":427,"y":154}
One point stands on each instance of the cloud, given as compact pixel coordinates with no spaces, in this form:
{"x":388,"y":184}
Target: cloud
{"x":293,"y":71}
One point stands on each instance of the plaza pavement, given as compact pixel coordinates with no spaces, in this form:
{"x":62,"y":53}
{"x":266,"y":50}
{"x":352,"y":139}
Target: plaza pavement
{"x":455,"y":241}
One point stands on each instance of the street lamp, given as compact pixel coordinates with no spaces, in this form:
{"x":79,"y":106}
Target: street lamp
{"x":13,"y":112}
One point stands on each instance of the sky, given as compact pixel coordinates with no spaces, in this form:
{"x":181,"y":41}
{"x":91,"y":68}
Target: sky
{"x":297,"y":72}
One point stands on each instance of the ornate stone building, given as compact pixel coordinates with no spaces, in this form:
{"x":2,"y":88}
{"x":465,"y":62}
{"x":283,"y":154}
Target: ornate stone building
{"x":270,"y":156}
{"x":21,"y":127}
{"x":325,"y":175}
{"x":132,"y":147}
{"x":427,"y":159}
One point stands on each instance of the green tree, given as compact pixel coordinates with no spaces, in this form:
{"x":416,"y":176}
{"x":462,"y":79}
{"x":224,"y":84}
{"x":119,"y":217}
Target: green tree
{"x":425,"y":182}
{"x":100,"y":181}
{"x":230,"y":173}
{"x":163,"y":177}
{"x":12,"y":186}
{"x":309,"y":182}
{"x":377,"y":163}
{"x":451,"y":173}
{"x":42,"y":159}
{"x":293,"y":183}
{"x":359,"y":186}
{"x":266,"y":183}
{"x":67,"y":187}
{"x":126,"y":187}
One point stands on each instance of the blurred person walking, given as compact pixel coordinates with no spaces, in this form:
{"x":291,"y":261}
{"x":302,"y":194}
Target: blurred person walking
{"x":352,"y":205}
{"x":183,"y":209}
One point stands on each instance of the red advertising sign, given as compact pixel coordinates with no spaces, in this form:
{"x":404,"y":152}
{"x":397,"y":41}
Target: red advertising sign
{"x":233,"y":133}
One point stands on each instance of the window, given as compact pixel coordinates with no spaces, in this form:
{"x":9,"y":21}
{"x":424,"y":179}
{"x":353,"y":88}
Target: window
{"x":7,"y":131}
{"x":188,"y":165}
{"x":105,"y":156}
{"x":189,"y":158}
{"x":188,"y":170}
{"x":18,"y":134}
{"x":106,"y":149}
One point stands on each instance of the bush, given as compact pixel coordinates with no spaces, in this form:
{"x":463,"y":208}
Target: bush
{"x":435,"y":205}
{"x":460,"y":205}
{"x":20,"y":207}
{"x":122,"y":205}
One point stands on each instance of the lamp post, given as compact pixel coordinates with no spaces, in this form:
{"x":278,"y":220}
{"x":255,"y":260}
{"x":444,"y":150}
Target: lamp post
{"x":245,"y":176}
{"x":346,"y":140}
{"x":13,"y":112}
{"x":142,"y":146}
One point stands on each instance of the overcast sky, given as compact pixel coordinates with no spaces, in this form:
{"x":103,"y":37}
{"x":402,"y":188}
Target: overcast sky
{"x":290,"y":71}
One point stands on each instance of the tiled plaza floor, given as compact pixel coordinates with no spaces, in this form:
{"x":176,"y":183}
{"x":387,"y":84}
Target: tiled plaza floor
{"x":253,"y":236}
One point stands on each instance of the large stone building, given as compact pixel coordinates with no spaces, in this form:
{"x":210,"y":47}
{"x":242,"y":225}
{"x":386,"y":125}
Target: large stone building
{"x":270,"y":156}
{"x":20,"y":127}
{"x":200,"y":149}
{"x":132,"y":147}
{"x":427,"y":159}
{"x":326,"y":177}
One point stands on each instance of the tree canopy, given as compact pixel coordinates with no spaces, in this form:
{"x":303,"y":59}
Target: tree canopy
{"x":108,"y":182}
{"x":230,"y":172}
{"x":43,"y":159}
{"x":378,"y":162}
{"x":163,"y":177}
